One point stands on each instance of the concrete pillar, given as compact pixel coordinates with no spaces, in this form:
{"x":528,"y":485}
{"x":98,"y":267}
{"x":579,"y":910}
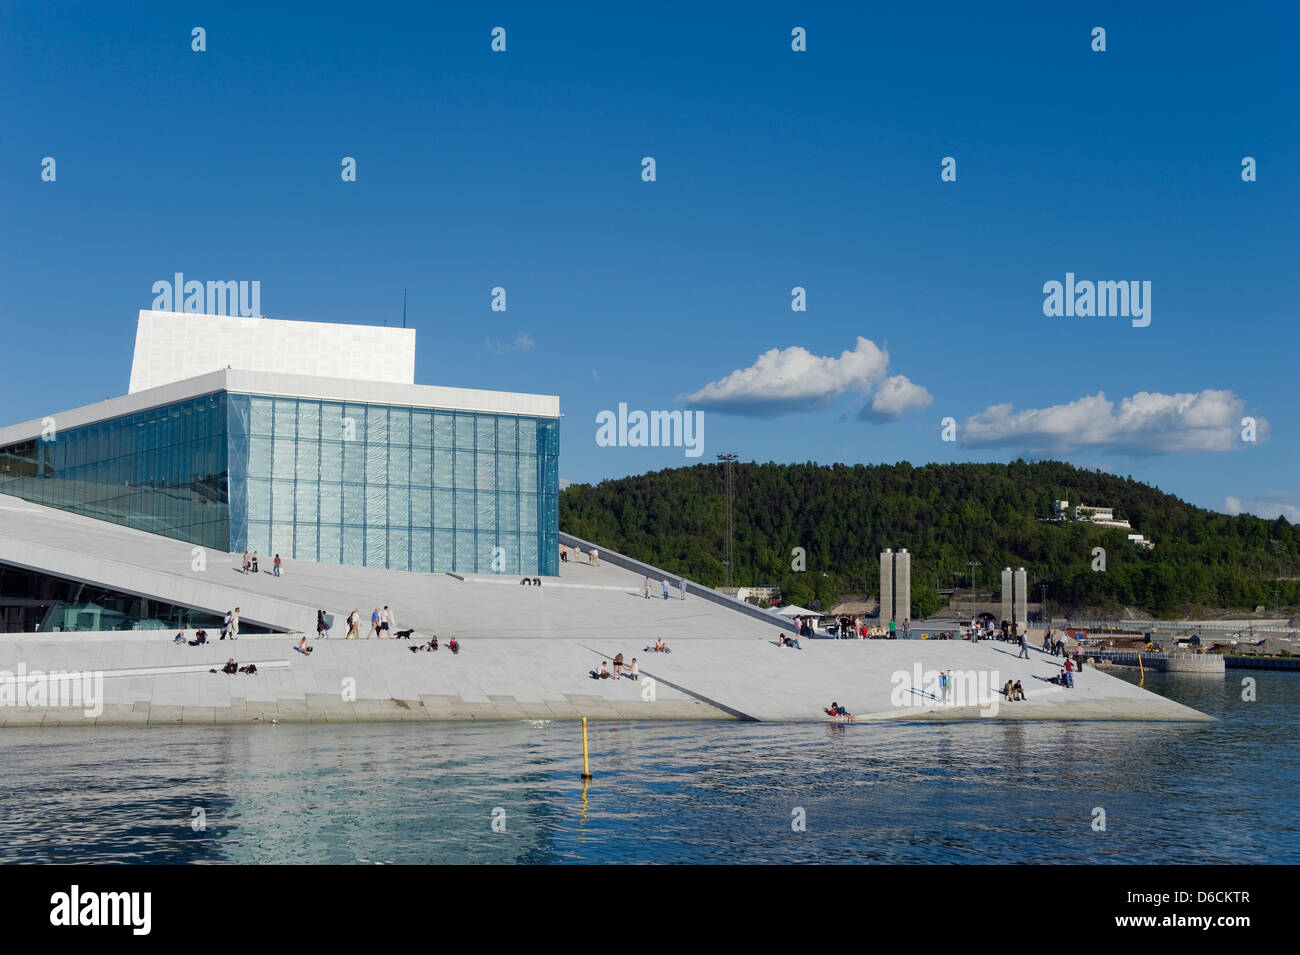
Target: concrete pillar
{"x":1022,"y":599}
{"x":1008,"y":594}
{"x":903,"y":584}
{"x":886,"y":586}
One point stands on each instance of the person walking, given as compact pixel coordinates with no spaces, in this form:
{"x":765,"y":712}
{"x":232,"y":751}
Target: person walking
{"x":943,"y":686}
{"x":681,"y":584}
{"x":1047,"y":641}
{"x":247,"y":562}
{"x":595,"y":557}
{"x":354,"y":622}
{"x":374,"y":623}
{"x":1078,"y":657}
{"x":646,"y":587}
{"x":225,"y":625}
{"x":255,"y":562}
{"x":320,"y":624}
{"x":277,"y":565}
{"x":1024,"y":648}
{"x":665,"y":583}
{"x":234,"y":624}
{"x":385,"y":622}
{"x":564,"y":554}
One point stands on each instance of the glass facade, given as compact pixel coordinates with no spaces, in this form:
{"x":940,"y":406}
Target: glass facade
{"x":403,"y":488}
{"x":32,"y":602}
{"x":160,"y":470}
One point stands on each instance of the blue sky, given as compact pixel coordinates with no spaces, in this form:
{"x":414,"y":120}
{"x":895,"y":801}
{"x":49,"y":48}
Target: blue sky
{"x":775,"y":169}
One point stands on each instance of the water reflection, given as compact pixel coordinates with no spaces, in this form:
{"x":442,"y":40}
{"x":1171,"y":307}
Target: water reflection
{"x":669,"y":792}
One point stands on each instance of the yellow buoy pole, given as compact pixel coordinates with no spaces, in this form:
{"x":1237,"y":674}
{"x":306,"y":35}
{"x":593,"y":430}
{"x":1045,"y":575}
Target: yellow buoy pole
{"x":586,"y":768}
{"x":1142,"y":674}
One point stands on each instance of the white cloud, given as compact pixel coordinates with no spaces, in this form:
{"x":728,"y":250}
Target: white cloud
{"x":1146,"y":423}
{"x":1269,"y":506}
{"x":794,"y":379}
{"x":521,"y":343}
{"x":896,"y":397}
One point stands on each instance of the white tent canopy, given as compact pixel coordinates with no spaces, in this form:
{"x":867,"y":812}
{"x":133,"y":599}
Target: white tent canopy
{"x":794,"y":611}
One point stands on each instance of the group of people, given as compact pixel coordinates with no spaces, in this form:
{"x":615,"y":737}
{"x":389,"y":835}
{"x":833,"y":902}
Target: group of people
{"x":381,"y":623}
{"x":231,"y":667}
{"x":593,"y":557}
{"x":250,"y":563}
{"x":200,"y":638}
{"x":1013,"y":691}
{"x":1066,"y":677}
{"x":1054,"y":644}
{"x":645,"y":587}
{"x":530,"y":582}
{"x":432,"y":646}
{"x":230,"y":625}
{"x":631,"y":671}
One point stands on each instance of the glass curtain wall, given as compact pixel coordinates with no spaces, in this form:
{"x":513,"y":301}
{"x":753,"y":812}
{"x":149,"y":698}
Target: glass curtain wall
{"x":402,"y":488}
{"x":161,"y":470}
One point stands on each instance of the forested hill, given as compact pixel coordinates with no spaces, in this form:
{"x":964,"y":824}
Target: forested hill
{"x":946,"y":515}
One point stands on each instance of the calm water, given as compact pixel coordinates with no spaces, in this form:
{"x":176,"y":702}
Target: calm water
{"x":670,"y":792}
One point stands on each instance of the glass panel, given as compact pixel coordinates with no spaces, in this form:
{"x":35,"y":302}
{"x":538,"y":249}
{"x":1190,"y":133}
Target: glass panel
{"x":444,"y":551}
{"x":487,"y":432}
{"x":305,"y":503}
{"x":354,"y":461}
{"x":442,"y":464}
{"x":282,"y":501}
{"x":376,"y":546}
{"x":376,"y":464}
{"x":399,"y":510}
{"x":354,"y":544}
{"x":354,"y":504}
{"x":528,"y":439}
{"x":466,"y":551}
{"x":309,"y":421}
{"x":331,"y":503}
{"x":444,"y":510}
{"x":376,"y":505}
{"x":464,"y":431}
{"x":507,"y":434}
{"x":307,"y":464}
{"x":421,"y":507}
{"x":259,"y":499}
{"x":444,"y":430}
{"x":421,"y":550}
{"x":399,"y":427}
{"x":486,"y":472}
{"x":507,"y":472}
{"x":286,"y":417}
{"x":330,"y":544}
{"x":260,"y":416}
{"x":421,"y":468}
{"x":466,"y":511}
{"x":399,"y":549}
{"x":331,"y":461}
{"x":259,"y":457}
{"x":422,"y":429}
{"x":283,"y":454}
{"x":399,"y":464}
{"x":304,"y":542}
